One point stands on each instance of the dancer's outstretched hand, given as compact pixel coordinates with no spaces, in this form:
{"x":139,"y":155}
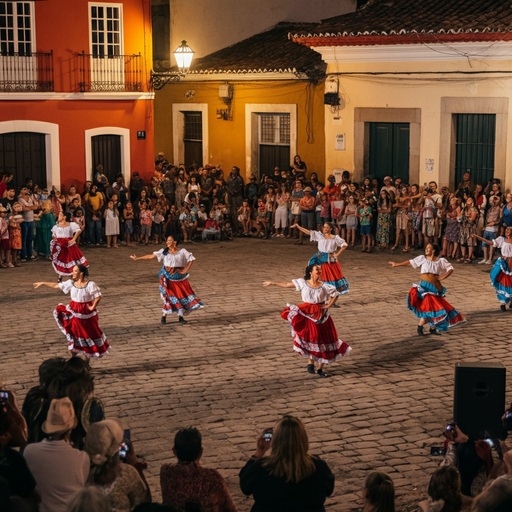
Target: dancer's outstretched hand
{"x":37,"y":285}
{"x":267,"y":283}
{"x":393,"y":264}
{"x":133,"y":257}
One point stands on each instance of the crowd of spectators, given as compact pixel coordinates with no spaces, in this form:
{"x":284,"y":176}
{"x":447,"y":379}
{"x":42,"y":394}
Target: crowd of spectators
{"x":62,"y":453}
{"x":201,"y":203}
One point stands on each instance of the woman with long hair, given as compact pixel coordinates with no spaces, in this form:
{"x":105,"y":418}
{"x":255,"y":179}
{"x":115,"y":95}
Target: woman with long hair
{"x":181,"y":184}
{"x":426,"y":299}
{"x":64,"y":250}
{"x":384,"y":205}
{"x":444,"y":493}
{"x":289,"y":478}
{"x":282,"y":207}
{"x":501,"y":273}
{"x":467,"y":230}
{"x":330,"y":246}
{"x":378,"y":493}
{"x":175,"y":290}
{"x":79,"y":320}
{"x":313,"y":331}
{"x":452,"y":231}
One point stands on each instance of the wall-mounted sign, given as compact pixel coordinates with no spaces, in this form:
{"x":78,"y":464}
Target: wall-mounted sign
{"x":429,"y":165}
{"x":141,"y":135}
{"x":339,"y":144}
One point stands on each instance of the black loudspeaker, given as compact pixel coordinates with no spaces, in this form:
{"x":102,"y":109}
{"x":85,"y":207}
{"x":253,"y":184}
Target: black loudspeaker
{"x":479,"y":398}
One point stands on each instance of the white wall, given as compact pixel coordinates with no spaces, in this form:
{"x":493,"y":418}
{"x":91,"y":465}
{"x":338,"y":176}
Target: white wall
{"x":220,"y":23}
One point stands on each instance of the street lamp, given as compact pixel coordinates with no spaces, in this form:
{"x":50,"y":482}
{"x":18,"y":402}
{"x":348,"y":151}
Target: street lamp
{"x":183,"y":55}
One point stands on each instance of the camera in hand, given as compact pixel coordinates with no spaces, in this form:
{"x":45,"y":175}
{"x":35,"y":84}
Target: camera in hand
{"x":4,"y":396}
{"x":267,"y":435}
{"x":437,"y":451}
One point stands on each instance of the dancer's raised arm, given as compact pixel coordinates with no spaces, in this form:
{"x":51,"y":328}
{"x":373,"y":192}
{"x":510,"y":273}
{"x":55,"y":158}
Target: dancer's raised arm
{"x":145,"y":257}
{"x":300,"y":228}
{"x":282,"y":285}
{"x":50,"y":285}
{"x":488,"y":242}
{"x":403,"y":264}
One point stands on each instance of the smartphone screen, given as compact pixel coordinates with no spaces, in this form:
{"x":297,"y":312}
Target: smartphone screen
{"x":4,"y":396}
{"x":123,"y":450}
{"x":436,"y":450}
{"x":267,"y":435}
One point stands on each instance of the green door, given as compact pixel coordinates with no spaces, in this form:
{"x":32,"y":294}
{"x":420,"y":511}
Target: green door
{"x":474,"y":147}
{"x":389,"y":151}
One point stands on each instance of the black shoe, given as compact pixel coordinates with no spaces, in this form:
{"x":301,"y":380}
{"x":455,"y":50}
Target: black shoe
{"x":510,"y":305}
{"x":163,"y":320}
{"x":420,"y":330}
{"x":336,"y":306}
{"x":322,"y":374}
{"x":182,"y":320}
{"x":435,"y":332}
{"x":503,"y":308}
{"x":311,"y":368}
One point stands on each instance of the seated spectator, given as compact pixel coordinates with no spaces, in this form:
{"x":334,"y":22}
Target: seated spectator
{"x":123,"y":484}
{"x":444,"y":492}
{"x":187,"y":483}
{"x":90,"y":499}
{"x":290,"y":479}
{"x":496,"y":498}
{"x":211,"y":228}
{"x":18,"y":432}
{"x":378,"y":493}
{"x":18,"y":483}
{"x":59,"y":469}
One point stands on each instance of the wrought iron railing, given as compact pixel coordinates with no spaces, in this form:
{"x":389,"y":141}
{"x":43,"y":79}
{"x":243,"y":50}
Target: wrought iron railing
{"x":26,"y":72}
{"x":110,"y":73}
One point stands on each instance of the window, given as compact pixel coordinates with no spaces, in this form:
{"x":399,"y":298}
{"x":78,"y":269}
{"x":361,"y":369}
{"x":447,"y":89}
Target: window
{"x":275,"y":129}
{"x":16,"y":28}
{"x":106,"y":30}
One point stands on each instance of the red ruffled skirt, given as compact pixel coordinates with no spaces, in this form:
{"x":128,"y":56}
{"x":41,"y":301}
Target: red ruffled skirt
{"x":80,"y":326}
{"x":177,"y":294}
{"x":314,"y":334}
{"x":64,"y":258}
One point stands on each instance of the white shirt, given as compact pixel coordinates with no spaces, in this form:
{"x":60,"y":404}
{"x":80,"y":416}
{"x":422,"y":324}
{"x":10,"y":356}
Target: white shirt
{"x":327,"y":244}
{"x":60,"y":471}
{"x":178,"y":260}
{"x":506,"y":248}
{"x":66,"y":232}
{"x":320,"y":295}
{"x":439,"y":267}
{"x":86,"y":294}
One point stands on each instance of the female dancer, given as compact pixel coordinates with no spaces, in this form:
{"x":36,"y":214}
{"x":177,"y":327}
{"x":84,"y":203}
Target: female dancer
{"x":65,"y":253}
{"x":327,"y":257}
{"x":501,"y":273}
{"x":79,"y":320}
{"x":313,"y":331}
{"x":175,"y":289}
{"x":426,"y":299}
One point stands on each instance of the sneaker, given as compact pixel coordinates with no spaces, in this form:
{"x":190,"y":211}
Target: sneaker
{"x":482,"y":262}
{"x":24,"y":260}
{"x":488,"y":262}
{"x":34,"y":257}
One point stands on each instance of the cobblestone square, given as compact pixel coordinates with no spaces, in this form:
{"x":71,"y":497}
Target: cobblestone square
{"x":232,"y":372}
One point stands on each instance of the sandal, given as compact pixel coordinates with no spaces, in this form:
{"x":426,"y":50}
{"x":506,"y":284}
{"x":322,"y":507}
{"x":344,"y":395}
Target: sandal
{"x":394,"y":248}
{"x":406,"y":250}
{"x":298,"y":242}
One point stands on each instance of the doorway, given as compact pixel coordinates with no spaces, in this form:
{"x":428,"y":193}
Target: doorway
{"x":106,"y":151}
{"x":193,"y":138}
{"x":389,"y":150}
{"x":274,"y":143}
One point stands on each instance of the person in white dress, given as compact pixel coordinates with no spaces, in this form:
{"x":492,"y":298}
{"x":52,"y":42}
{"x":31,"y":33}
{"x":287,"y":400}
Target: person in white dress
{"x":111,"y":216}
{"x":313,"y":331}
{"x":330,"y":246}
{"x":175,"y":290}
{"x":65,"y":253}
{"x":501,"y":273}
{"x":79,"y":320}
{"x":426,"y":299}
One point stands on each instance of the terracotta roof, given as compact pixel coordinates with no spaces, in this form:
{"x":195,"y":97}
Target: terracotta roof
{"x":403,"y":17}
{"x":268,"y":52}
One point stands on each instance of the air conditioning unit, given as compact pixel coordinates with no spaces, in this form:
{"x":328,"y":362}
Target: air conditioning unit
{"x":226,"y":92}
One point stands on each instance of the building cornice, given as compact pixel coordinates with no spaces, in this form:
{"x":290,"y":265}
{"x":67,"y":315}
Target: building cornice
{"x":76,"y":96}
{"x":416,"y":52}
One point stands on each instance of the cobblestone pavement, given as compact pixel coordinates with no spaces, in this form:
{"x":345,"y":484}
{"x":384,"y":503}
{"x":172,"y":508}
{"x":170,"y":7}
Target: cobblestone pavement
{"x":232,"y":372}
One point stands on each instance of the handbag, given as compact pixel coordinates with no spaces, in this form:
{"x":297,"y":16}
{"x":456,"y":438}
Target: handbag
{"x":295,"y":209}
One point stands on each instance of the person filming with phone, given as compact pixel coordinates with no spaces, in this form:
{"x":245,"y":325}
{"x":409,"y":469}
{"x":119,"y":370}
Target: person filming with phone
{"x":289,"y":479}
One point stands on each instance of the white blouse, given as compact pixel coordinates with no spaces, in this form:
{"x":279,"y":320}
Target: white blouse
{"x":441,"y":266}
{"x":320,"y":295}
{"x":180,"y":259}
{"x":506,"y":247}
{"x":67,"y":232}
{"x":88,"y":293}
{"x":327,"y":244}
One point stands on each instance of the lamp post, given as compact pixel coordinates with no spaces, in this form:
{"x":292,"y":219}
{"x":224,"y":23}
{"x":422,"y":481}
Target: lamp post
{"x":183,"y":55}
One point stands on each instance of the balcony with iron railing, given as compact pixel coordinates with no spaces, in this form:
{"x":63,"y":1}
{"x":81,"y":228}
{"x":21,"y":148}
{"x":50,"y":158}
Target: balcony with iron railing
{"x":110,"y":73}
{"x":26,"y":72}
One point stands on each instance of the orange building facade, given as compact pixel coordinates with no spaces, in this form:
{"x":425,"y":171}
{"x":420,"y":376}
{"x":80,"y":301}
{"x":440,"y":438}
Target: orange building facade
{"x":75,"y":90}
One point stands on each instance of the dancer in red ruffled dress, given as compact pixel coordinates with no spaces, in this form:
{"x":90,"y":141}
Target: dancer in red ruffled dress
{"x":313,"y":331}
{"x":65,"y":253}
{"x":79,"y":320}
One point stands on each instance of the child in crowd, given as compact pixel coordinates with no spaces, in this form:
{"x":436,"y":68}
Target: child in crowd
{"x":5,"y":245}
{"x":325,"y":213}
{"x":44,"y":231}
{"x":351,"y":212}
{"x":365,"y":217}
{"x":15,"y":233}
{"x":492,"y":223}
{"x":227,"y":231}
{"x":111,"y":216}
{"x":146,"y":221}
{"x":262,"y":218}
{"x":211,"y":228}
{"x":158,"y":222}
{"x":128,"y":216}
{"x":79,"y":218}
{"x":244,"y":216}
